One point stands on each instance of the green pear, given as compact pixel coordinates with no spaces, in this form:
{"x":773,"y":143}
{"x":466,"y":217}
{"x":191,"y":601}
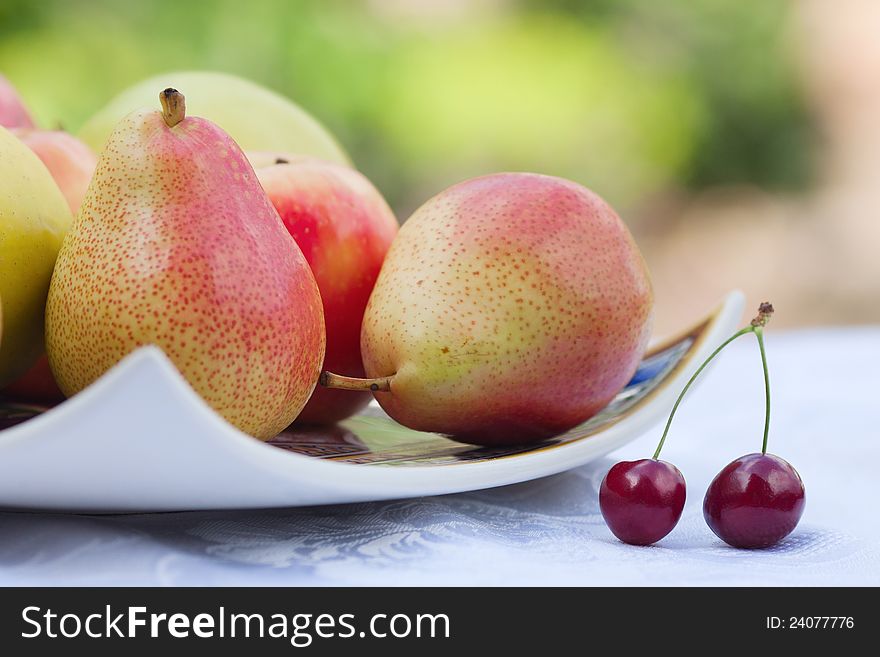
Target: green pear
{"x":177,"y":245}
{"x":509,"y":309}
{"x":255,"y":117}
{"x":34,"y":217}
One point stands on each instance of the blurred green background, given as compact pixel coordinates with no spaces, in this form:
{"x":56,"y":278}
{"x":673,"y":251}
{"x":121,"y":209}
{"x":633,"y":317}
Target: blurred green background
{"x":627,"y":97}
{"x":737,"y":139}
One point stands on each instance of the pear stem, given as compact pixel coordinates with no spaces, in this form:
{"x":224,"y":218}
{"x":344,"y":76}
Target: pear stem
{"x":173,"y":106}
{"x":339,"y":382}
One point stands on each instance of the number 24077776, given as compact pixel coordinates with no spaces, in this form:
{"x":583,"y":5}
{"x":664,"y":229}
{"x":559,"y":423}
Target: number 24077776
{"x":810,"y":623}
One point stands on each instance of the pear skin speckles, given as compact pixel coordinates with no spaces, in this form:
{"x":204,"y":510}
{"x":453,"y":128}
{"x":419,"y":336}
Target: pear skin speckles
{"x":510,"y":308}
{"x":177,"y":245}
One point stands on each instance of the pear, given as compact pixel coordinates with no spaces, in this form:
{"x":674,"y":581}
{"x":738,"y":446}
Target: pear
{"x":177,"y":245}
{"x":33,"y":220}
{"x":71,"y":164}
{"x":509,"y":309}
{"x":255,"y":117}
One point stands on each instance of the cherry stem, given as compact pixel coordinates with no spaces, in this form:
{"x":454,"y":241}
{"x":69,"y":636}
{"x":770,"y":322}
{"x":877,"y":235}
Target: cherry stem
{"x":759,"y":333}
{"x":340,"y":382}
{"x":693,"y":378}
{"x":756,"y":326}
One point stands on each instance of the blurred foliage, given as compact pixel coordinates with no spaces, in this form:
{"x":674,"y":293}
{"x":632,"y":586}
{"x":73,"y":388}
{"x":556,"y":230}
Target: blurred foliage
{"x":736,"y":56}
{"x":630,"y":97}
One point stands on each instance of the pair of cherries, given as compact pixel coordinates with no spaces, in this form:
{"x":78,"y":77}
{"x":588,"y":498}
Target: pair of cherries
{"x":754,"y":502}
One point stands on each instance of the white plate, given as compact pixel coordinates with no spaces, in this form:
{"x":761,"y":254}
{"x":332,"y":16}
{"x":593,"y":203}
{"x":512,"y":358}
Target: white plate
{"x":140,"y":439}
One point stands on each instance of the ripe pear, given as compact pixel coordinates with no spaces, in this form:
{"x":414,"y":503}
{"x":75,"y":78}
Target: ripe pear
{"x":33,"y":220}
{"x":509,"y":309}
{"x":255,"y":117}
{"x":71,"y":164}
{"x":177,"y":245}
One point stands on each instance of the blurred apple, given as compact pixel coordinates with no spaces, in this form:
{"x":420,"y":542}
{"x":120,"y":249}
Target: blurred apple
{"x":36,"y":385}
{"x":68,"y":159}
{"x":344,"y":228}
{"x":13,"y":113}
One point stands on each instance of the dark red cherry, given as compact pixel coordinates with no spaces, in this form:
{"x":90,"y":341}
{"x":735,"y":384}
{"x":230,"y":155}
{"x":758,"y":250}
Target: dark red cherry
{"x":755,"y":501}
{"x":642,"y":501}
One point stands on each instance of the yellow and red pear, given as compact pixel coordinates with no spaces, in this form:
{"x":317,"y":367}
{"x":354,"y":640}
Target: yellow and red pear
{"x":510,"y":308}
{"x":177,"y":245}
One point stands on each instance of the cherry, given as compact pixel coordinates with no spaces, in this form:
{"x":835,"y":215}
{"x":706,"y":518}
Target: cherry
{"x":755,"y":501}
{"x":642,"y":501}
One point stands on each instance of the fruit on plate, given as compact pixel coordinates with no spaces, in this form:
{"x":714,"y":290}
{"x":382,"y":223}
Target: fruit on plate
{"x":68,"y":159}
{"x":36,"y":385}
{"x":13,"y":112}
{"x":71,"y":164}
{"x":510,"y":308}
{"x":255,"y":117}
{"x":177,"y":245}
{"x":344,"y":228}
{"x":33,"y":220}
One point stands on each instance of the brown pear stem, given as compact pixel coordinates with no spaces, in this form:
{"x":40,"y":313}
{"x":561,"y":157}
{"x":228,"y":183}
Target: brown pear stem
{"x":173,"y":106}
{"x":339,"y":382}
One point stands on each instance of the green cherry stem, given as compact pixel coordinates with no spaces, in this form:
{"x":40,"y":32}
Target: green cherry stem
{"x":693,"y":378}
{"x":759,"y":333}
{"x":765,"y":310}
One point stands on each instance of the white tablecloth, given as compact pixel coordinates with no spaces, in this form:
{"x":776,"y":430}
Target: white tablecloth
{"x":826,"y":415}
